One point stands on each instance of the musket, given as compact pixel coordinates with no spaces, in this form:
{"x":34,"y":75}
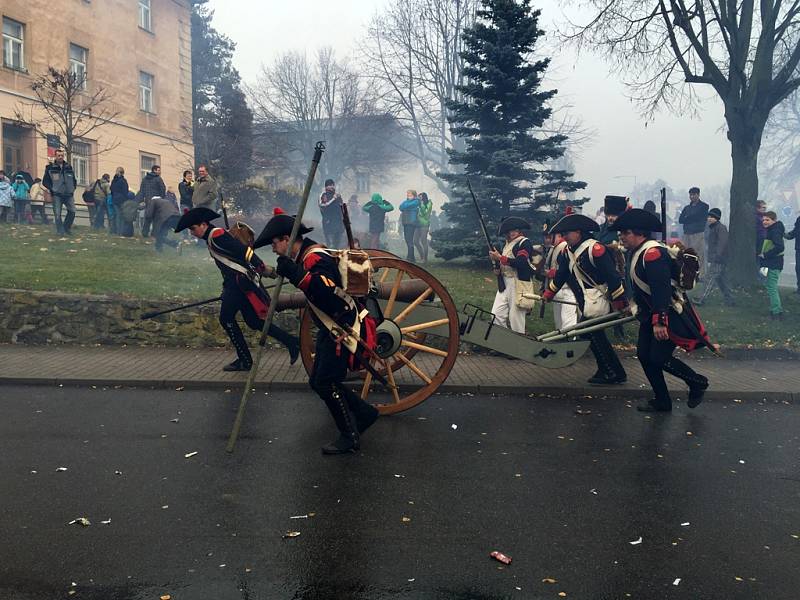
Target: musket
{"x":501,"y":284}
{"x":224,"y":210}
{"x":157,"y":313}
{"x":664,"y":215}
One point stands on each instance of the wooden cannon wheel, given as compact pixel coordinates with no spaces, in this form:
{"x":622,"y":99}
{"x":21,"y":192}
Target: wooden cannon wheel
{"x":419,"y":367}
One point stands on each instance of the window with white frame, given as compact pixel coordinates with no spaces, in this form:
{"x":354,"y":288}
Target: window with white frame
{"x":80,"y":162}
{"x":362,"y":183}
{"x":78,"y":61}
{"x":145,"y":15}
{"x":147,"y":162}
{"x":13,"y":44}
{"x":146,"y":91}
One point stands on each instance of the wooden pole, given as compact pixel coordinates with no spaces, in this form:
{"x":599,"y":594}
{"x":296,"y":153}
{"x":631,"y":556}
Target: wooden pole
{"x":237,"y":424}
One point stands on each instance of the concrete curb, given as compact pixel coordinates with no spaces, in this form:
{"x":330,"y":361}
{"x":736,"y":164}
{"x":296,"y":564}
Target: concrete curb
{"x":445,"y":388}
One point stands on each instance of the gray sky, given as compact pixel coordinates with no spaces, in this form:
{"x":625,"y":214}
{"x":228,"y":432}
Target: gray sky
{"x":681,"y":150}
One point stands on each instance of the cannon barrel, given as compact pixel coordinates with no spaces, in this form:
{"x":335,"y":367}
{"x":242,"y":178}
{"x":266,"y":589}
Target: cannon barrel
{"x":408,"y":291}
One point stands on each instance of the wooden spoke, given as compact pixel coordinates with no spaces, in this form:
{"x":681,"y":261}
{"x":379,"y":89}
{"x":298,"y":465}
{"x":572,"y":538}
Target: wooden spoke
{"x":385,"y":275}
{"x":428,"y":325}
{"x":365,"y":387}
{"x":420,"y":373}
{"x":419,"y":300}
{"x":393,"y":295}
{"x":392,"y":383}
{"x":423,"y":348}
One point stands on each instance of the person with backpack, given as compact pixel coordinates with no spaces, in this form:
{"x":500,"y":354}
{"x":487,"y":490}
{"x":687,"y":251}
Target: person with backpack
{"x":409,"y":217}
{"x":662,"y":327}
{"x":771,"y":261}
{"x":510,"y":306}
{"x":22,"y":201}
{"x":316,"y":273}
{"x":589,"y":269}
{"x":59,"y":180}
{"x":100,"y":191}
{"x":376,"y":208}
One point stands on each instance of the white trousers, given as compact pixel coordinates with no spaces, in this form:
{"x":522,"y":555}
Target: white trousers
{"x":506,"y":311}
{"x":565,"y":315}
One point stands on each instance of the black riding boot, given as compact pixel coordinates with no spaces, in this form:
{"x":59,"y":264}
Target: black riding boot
{"x":698,"y":384}
{"x":609,"y":368}
{"x":348,"y":434}
{"x":364,"y":412}
{"x":244,"y":360}
{"x":292,"y":342}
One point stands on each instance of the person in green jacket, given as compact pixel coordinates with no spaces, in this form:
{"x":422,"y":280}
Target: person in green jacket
{"x":423,"y":226}
{"x":771,"y":261}
{"x":376,"y":208}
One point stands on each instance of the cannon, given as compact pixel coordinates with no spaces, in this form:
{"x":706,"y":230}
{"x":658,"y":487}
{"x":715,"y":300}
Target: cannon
{"x":418,"y":342}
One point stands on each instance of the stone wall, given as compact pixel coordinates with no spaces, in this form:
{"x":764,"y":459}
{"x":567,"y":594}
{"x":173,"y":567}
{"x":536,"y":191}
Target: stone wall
{"x":28,"y":317}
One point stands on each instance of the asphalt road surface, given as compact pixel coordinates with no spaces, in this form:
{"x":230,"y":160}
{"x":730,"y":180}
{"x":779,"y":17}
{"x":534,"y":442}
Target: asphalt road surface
{"x":607,"y":504}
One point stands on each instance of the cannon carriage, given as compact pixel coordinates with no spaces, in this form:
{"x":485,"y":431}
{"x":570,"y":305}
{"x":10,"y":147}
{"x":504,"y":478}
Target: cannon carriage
{"x":420,"y":336}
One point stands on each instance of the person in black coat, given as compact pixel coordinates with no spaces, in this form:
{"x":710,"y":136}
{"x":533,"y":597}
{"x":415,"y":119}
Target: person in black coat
{"x":152,"y":185}
{"x":241,"y":292}
{"x":587,"y":265}
{"x":315,"y":272}
{"x":666,"y":317}
{"x":186,"y":190}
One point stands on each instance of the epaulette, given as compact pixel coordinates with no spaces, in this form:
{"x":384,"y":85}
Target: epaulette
{"x":217,"y":231}
{"x":310,"y":260}
{"x":598,"y":250}
{"x":652,"y":255}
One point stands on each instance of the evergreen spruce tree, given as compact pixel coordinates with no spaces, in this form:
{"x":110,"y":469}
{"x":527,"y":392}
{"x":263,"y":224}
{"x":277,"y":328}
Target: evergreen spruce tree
{"x":222,"y":125}
{"x":509,"y":161}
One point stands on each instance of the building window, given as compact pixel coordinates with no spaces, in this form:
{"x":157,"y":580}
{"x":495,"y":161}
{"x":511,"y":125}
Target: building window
{"x":80,"y":162}
{"x":78,"y":60}
{"x":362,"y":183}
{"x":13,"y":44}
{"x":145,"y":21}
{"x":146,"y":92}
{"x":147,"y":162}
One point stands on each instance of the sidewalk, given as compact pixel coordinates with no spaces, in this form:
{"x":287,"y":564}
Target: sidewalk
{"x":202,"y":368}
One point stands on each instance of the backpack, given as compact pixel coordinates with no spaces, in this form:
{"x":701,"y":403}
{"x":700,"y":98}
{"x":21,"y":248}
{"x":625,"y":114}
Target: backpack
{"x":355,"y":268}
{"x":88,"y":194}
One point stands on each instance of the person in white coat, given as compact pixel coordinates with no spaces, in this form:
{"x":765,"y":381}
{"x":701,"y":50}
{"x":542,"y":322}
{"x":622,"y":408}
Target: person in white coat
{"x":564,"y":315}
{"x":514,"y":261}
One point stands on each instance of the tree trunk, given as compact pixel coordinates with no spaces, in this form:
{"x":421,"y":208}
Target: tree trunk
{"x":742,"y":261}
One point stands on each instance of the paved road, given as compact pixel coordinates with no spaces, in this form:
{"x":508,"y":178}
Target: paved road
{"x":564,"y":494}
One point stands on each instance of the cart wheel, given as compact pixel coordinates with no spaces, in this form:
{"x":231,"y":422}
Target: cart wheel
{"x":429,"y":328}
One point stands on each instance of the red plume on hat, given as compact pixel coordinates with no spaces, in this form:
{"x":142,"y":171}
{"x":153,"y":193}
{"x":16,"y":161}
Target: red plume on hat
{"x":278,"y":211}
{"x":569,"y":210}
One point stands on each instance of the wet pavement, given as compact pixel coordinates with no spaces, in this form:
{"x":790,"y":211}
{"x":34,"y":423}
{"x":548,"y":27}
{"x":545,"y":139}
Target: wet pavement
{"x":713,"y":494}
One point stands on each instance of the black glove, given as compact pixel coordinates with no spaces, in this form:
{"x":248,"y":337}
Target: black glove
{"x":289,"y":269}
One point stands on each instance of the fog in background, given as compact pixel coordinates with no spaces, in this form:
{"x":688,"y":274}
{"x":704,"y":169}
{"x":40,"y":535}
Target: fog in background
{"x":625,"y":149}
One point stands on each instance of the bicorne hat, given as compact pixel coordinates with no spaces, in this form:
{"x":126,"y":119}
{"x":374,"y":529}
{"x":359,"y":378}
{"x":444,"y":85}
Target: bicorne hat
{"x":637,"y":219}
{"x":574,"y":222}
{"x":511,"y":223}
{"x":615,"y":205}
{"x":197,"y":215}
{"x":279,"y":225}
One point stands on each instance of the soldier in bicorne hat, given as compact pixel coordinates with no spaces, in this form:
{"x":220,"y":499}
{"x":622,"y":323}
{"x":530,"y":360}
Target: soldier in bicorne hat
{"x":515,"y":267}
{"x":666,"y":318}
{"x":565,"y":313}
{"x":588,"y":268}
{"x":241,"y":269}
{"x":311,"y":269}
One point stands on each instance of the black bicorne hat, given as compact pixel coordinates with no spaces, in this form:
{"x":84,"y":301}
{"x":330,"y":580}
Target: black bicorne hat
{"x":574,"y":222}
{"x":511,"y":223}
{"x":637,"y":219}
{"x":615,"y":205}
{"x":279,"y":225}
{"x":197,"y":215}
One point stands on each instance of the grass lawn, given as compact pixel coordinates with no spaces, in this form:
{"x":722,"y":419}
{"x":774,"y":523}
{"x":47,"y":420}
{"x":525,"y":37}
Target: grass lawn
{"x":35,"y":258}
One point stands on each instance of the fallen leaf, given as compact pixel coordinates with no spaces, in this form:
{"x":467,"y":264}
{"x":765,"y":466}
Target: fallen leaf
{"x":549,"y":580}
{"x":107,"y":522}
{"x":453,"y":426}
{"x":299,"y":517}
{"x":166,"y":597}
{"x":61,"y":469}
